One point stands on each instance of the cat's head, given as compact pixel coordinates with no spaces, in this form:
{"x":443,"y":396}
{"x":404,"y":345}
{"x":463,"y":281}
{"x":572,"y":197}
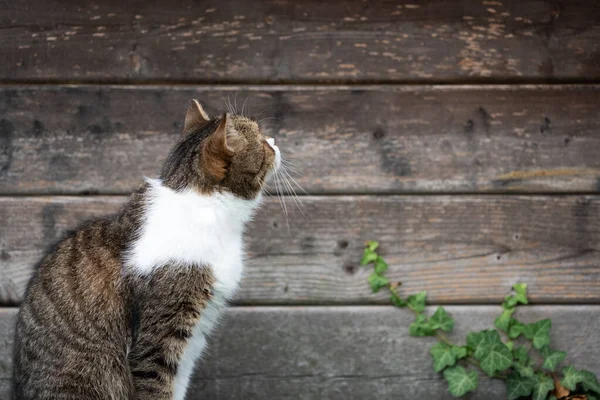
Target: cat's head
{"x":224,"y":154}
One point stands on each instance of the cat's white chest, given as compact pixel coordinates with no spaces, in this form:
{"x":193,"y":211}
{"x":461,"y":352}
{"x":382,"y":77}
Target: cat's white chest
{"x":190,"y":229}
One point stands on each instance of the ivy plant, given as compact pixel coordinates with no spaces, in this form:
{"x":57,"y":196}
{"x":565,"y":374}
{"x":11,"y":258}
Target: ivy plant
{"x":520,"y":354}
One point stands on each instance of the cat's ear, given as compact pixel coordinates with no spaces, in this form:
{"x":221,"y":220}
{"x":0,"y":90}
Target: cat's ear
{"x":220,"y":148}
{"x":195,"y":118}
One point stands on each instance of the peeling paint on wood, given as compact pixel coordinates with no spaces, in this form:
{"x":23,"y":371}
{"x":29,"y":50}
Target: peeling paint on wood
{"x":390,"y":41}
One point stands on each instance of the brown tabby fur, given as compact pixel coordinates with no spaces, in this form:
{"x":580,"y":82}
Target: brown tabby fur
{"x":87,"y":328}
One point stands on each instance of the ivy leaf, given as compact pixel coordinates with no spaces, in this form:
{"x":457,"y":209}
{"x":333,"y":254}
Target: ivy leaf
{"x":372,"y":245}
{"x":509,"y":302}
{"x":572,"y":377}
{"x":368,"y":257}
{"x":590,"y":397}
{"x":480,"y":341}
{"x":441,"y":320}
{"x":521,"y":290}
{"x":552,"y":358}
{"x":460,"y":381}
{"x":522,"y":363}
{"x":446,"y":356}
{"x":518,"y":386}
{"x":460,"y":352}
{"x":504,"y":320}
{"x":516,"y":328}
{"x":443,"y":356}
{"x":526,"y":371}
{"x":397,"y":300}
{"x":496,"y":358}
{"x":380,"y":265}
{"x":416,"y":302}
{"x":521,"y":355}
{"x":543,"y":385}
{"x":590,"y":382}
{"x":421,"y":327}
{"x":539,"y":333}
{"x":377,"y":282}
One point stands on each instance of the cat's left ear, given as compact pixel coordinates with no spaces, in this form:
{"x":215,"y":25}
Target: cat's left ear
{"x":219,"y":149}
{"x":195,"y":118}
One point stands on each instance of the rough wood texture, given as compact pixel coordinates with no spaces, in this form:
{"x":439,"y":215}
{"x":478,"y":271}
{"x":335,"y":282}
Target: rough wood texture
{"x":295,"y":41}
{"x":346,"y":353}
{"x":353,"y":139}
{"x":459,"y":248}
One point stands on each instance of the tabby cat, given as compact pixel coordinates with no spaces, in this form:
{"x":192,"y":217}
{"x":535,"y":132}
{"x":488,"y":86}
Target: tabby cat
{"x":121,"y":308}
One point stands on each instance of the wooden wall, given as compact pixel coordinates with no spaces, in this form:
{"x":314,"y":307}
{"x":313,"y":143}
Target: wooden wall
{"x":464,"y":135}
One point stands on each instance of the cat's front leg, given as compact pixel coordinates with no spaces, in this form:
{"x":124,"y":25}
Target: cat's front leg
{"x":166,"y":313}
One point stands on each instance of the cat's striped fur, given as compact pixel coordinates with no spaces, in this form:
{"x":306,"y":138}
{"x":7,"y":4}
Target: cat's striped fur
{"x":121,"y":308}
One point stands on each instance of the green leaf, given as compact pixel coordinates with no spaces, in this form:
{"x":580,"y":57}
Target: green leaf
{"x":380,"y":265}
{"x":539,"y":333}
{"x":480,"y":341}
{"x":372,"y":245}
{"x":589,"y":397}
{"x":368,"y":257}
{"x":497,"y":358}
{"x":490,"y":351}
{"x":515,"y":328}
{"x":521,"y":290}
{"x":552,"y":358}
{"x":590,"y":382}
{"x":521,"y":355}
{"x":518,"y":386}
{"x":572,"y":377}
{"x":554,"y":398}
{"x":543,"y":385}
{"x":460,"y":381}
{"x":509,"y":302}
{"x":443,"y":356}
{"x":377,"y":282}
{"x":510,"y":344}
{"x":421,"y":327}
{"x":441,"y":320}
{"x":416,"y":302}
{"x":503,"y":321}
{"x":525,"y":371}
{"x":397,"y":300}
{"x":460,"y":352}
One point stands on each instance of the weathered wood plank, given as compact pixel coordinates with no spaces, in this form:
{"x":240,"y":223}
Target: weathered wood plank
{"x":346,"y":352}
{"x":295,"y":41}
{"x":343,"y":139}
{"x":459,"y":248}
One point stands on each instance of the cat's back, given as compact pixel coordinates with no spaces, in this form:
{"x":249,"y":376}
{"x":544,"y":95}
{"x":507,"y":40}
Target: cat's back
{"x":72,"y":330}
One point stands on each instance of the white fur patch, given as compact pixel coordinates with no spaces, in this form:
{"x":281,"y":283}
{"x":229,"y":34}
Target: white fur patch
{"x":188,"y":228}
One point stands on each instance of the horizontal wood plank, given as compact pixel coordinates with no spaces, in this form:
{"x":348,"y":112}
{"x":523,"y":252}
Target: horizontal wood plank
{"x":347,"y":139}
{"x":459,"y":248}
{"x":346,"y":352}
{"x":299,"y":41}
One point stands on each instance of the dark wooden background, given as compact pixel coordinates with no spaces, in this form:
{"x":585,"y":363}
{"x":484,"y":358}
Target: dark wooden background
{"x":464,"y":135}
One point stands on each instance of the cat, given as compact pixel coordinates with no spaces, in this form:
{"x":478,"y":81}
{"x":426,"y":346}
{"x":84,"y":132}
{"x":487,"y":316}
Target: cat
{"x":121,"y":308}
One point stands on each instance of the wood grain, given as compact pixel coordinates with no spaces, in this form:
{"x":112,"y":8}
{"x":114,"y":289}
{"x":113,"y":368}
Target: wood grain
{"x":346,"y":352}
{"x":345,"y":139}
{"x":459,"y":248}
{"x":299,"y":41}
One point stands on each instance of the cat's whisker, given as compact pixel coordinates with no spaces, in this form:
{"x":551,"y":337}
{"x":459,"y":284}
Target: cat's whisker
{"x":235,"y":112}
{"x":266,"y":119}
{"x":295,"y":198}
{"x":281,"y":200}
{"x":244,"y":105}
{"x":297,"y":184}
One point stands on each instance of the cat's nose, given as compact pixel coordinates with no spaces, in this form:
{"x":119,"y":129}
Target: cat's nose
{"x":271,"y":141}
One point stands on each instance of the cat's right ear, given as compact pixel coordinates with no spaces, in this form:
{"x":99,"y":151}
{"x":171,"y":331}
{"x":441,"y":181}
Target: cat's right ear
{"x":195,"y":118}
